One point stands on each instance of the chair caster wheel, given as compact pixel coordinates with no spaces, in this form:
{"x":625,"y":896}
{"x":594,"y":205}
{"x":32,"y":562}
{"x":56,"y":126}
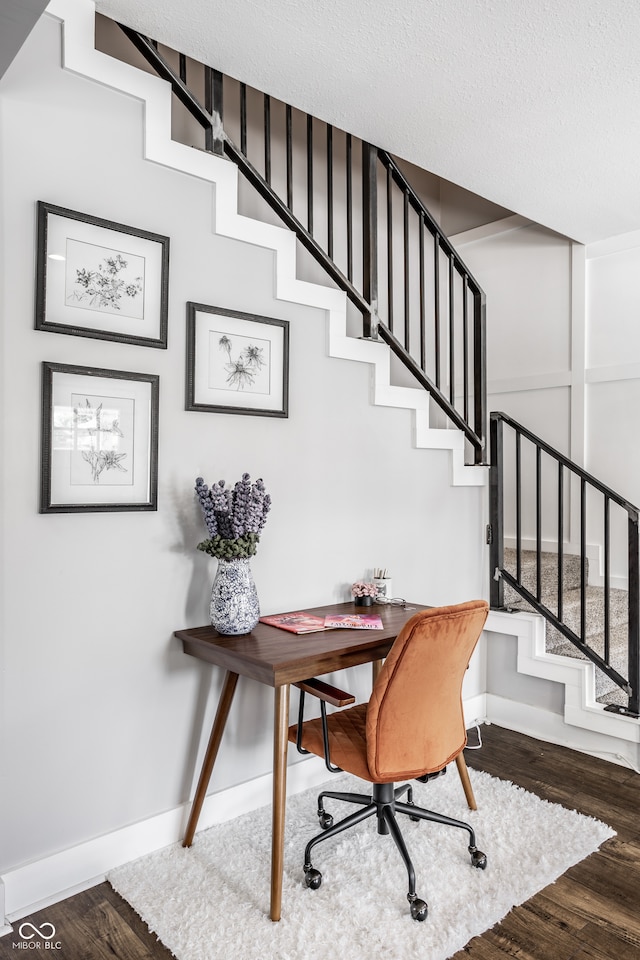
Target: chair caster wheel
{"x":312,"y":877}
{"x":478,"y":858}
{"x":326,"y":820}
{"x":419,"y":908}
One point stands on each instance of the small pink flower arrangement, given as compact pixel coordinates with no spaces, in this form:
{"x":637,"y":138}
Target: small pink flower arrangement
{"x":362,"y":589}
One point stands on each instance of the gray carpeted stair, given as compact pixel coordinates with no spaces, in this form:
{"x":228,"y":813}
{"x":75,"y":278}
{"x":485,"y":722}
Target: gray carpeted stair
{"x":556,"y":642}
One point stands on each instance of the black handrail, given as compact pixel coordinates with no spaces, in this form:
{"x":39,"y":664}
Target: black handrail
{"x":499,"y":575}
{"x":565,"y":461}
{"x":422,"y":340}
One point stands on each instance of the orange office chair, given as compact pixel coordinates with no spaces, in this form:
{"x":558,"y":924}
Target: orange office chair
{"x":411,"y":728}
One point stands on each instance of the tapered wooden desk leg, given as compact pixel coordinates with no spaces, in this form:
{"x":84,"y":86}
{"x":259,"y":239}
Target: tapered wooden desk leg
{"x":466,"y":782}
{"x":280,"y":744}
{"x":224,"y":705}
{"x":376,"y":667}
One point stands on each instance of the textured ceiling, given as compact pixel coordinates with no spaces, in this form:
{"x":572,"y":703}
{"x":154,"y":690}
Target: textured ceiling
{"x":533,"y":105}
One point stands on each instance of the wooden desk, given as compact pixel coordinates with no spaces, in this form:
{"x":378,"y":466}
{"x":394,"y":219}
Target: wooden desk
{"x":279,"y":658}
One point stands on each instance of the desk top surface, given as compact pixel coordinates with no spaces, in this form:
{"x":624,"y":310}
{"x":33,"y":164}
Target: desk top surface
{"x":275,"y":657}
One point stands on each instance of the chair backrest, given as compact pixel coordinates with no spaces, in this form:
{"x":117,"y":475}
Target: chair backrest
{"x":415,"y":720}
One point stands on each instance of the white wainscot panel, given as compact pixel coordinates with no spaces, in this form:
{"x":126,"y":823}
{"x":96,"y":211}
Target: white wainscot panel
{"x":612,"y":309}
{"x":526,"y":275}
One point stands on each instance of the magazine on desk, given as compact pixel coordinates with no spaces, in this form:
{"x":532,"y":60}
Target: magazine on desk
{"x":354,"y":621}
{"x":299,"y":622}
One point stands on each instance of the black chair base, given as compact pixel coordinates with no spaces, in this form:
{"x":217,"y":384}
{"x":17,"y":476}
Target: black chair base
{"x":384,"y":803}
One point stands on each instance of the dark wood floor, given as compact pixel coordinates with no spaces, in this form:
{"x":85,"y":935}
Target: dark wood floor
{"x":590,"y":913}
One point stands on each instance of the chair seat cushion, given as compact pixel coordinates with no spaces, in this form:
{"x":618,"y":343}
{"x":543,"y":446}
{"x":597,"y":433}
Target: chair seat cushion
{"x":347,"y":739}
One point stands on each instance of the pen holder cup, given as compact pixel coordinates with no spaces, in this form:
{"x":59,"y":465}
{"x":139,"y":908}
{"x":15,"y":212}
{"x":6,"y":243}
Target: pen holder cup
{"x":383,"y":585}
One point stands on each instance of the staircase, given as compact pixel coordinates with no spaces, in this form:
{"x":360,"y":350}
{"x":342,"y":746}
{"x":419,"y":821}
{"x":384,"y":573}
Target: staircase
{"x":537,"y":485}
{"x":607,"y":692}
{"x":432,"y":320}
{"x":353,"y":210}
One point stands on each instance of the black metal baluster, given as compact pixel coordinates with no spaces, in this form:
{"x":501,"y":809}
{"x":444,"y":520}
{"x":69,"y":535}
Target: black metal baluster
{"x":289,"y":146}
{"x":634,"y":614}
{"x":518,"y":507}
{"x":330,"y":190}
{"x":214,"y":106}
{"x":538,"y":523}
{"x":267,"y":138}
{"x":560,"y":539}
{"x":182,"y":67}
{"x":218,"y":101}
{"x":465,"y":346}
{"x":436,"y":303}
{"x":370,"y":238}
{"x":349,"y":162}
{"x":243,"y":118}
{"x":496,"y":512}
{"x":390,"y":247}
{"x":479,"y":369}
{"x":208,"y":105}
{"x":310,"y":174}
{"x":607,"y":547}
{"x":583,"y":559}
{"x":452,"y":345}
{"x":423,"y":339}
{"x":407,"y":301}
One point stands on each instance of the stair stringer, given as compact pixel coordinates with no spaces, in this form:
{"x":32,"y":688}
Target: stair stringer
{"x":584,"y":724}
{"x":80,"y":56}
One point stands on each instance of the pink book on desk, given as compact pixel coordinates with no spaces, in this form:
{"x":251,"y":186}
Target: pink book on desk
{"x":354,"y":621}
{"x":299,"y":622}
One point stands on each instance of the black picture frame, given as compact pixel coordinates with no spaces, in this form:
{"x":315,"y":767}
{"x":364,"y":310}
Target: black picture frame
{"x":99,"y":440}
{"x":236,"y":362}
{"x":100,"y":279}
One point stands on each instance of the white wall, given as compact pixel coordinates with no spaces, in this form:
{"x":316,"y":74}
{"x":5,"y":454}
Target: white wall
{"x":102,"y":712}
{"x":504,"y":681}
{"x":613,"y":370}
{"x":525,"y":271}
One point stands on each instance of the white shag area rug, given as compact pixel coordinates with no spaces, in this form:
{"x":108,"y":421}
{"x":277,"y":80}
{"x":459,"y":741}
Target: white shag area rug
{"x":211,"y":902}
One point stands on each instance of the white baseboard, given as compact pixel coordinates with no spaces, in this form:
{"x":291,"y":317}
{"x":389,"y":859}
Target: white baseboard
{"x":552,"y":728}
{"x":4,"y":926}
{"x":475,"y":710}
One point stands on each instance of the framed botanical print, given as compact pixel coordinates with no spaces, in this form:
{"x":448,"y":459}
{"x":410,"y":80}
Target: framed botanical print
{"x":99,"y":447}
{"x":236,"y":362}
{"x":96,"y":278}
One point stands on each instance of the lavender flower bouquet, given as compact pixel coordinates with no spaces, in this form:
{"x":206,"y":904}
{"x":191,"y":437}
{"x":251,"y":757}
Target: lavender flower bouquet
{"x":234,"y":517}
